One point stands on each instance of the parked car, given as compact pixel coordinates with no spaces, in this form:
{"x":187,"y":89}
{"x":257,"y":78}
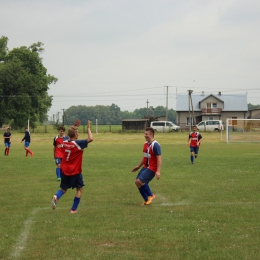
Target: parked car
{"x":210,"y":125}
{"x":164,"y":126}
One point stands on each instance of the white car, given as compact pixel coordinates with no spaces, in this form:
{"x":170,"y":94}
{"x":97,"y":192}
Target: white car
{"x":210,"y":125}
{"x":164,"y":126}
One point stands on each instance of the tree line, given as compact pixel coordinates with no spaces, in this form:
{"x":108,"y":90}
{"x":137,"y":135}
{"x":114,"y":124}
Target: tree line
{"x":112,"y":114}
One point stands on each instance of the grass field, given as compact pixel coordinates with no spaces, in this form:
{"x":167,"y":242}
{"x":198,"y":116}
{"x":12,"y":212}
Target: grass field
{"x":209,"y":210}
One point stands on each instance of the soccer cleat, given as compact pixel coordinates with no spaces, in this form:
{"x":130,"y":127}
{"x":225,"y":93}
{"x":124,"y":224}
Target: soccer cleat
{"x":54,"y":202}
{"x":73,"y":211}
{"x":32,"y":154}
{"x":153,"y":197}
{"x":58,"y":179}
{"x":148,"y":202}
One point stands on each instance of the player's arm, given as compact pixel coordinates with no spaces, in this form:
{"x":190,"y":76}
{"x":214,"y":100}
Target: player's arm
{"x":199,"y":140}
{"x":159,"y":165}
{"x":138,"y":166}
{"x":90,"y":135}
{"x":188,"y":141}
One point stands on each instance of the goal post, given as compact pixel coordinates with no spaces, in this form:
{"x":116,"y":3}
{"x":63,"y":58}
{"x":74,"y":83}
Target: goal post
{"x":242,"y":130}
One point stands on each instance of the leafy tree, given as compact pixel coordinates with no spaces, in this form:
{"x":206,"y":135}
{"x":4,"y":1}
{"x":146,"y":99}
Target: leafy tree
{"x":24,"y":83}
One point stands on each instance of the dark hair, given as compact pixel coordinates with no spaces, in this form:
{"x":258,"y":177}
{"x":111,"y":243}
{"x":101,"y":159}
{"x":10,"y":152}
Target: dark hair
{"x":61,"y":128}
{"x":150,"y":129}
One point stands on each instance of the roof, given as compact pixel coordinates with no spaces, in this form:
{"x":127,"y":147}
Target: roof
{"x":231,"y":102}
{"x":135,"y":120}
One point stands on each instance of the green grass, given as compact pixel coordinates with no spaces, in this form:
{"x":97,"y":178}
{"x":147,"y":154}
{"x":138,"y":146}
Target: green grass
{"x":209,"y":210}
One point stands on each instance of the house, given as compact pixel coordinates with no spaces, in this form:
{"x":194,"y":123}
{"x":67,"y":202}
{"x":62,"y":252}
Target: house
{"x":210,"y":107}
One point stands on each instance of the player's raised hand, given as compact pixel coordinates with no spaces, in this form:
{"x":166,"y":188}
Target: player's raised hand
{"x":77,"y":123}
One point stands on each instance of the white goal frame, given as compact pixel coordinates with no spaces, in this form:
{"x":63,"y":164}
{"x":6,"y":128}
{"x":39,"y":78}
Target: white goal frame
{"x":242,"y":130}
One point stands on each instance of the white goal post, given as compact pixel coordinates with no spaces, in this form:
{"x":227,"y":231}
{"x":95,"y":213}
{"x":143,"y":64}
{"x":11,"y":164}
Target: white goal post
{"x":242,"y":130}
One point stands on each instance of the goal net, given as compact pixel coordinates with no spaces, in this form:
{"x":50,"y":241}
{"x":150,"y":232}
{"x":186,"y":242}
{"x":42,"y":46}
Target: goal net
{"x":243,"y":130}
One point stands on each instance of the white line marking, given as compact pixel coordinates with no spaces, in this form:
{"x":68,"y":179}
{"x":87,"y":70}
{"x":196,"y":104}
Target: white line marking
{"x":22,"y":239}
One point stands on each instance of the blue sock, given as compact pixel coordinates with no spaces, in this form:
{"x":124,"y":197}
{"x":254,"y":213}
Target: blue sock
{"x":59,"y":194}
{"x":58,"y":172}
{"x":192,"y":158}
{"x":148,"y":190}
{"x":75,"y":203}
{"x":143,"y":193}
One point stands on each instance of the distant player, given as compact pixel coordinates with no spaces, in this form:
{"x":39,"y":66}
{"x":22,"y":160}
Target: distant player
{"x":58,"y":153}
{"x":71,"y":166}
{"x":151,"y":166}
{"x":194,"y":140}
{"x":27,"y":140}
{"x":7,"y":141}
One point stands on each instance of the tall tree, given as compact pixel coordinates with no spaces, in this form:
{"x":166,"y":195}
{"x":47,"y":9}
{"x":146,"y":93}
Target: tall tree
{"x":24,"y":83}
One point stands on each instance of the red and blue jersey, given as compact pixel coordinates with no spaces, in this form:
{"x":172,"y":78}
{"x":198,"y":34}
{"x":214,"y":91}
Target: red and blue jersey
{"x":151,"y":151}
{"x":194,"y":138}
{"x":72,"y":152}
{"x":57,"y":143}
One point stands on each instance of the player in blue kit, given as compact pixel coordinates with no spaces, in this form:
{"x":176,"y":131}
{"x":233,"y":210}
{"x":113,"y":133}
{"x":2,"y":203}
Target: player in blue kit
{"x":27,"y":140}
{"x":7,"y":141}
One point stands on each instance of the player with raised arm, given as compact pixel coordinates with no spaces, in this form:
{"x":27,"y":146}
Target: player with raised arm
{"x":7,"y":140}
{"x":71,"y":166}
{"x":194,"y":140}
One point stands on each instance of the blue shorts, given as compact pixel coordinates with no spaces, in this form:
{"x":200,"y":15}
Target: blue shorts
{"x":26,"y":144}
{"x":58,"y":161}
{"x":194,"y":149}
{"x":145,"y":175}
{"x":8,"y":145}
{"x":73,"y":181}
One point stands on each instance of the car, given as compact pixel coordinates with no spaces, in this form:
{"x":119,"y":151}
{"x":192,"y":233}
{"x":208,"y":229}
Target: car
{"x":210,"y":125}
{"x":164,"y":126}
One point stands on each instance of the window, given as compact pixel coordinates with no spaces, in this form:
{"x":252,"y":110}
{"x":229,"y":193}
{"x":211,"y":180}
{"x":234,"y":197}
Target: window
{"x":214,"y":105}
{"x":158,"y":124}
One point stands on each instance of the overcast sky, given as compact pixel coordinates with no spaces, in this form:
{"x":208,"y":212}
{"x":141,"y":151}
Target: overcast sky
{"x":127,"y":51}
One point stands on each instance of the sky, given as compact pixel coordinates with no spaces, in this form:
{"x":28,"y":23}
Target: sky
{"x":130,"y":52}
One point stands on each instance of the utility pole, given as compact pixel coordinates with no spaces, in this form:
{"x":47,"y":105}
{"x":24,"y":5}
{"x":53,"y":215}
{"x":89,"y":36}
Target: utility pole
{"x":63,"y":116}
{"x":147,"y":108}
{"x":167,"y":88}
{"x":191,"y":106}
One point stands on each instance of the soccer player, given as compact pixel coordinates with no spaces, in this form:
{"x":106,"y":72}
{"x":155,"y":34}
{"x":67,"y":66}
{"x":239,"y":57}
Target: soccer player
{"x":71,"y":166}
{"x":57,"y":143}
{"x":27,"y":140}
{"x":151,"y":166}
{"x":194,"y":140}
{"x":7,"y":141}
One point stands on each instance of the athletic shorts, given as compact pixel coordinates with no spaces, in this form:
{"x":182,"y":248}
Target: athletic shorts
{"x":72,"y":181}
{"x":58,"y":161}
{"x":145,"y":175}
{"x":8,"y":145}
{"x":26,"y":144}
{"x":194,"y":149}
